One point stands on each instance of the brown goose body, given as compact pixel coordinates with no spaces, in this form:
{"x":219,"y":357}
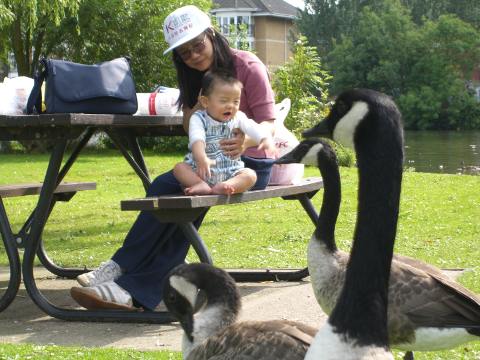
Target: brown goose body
{"x":267,"y":340}
{"x":420,"y":299}
{"x":206,"y":301}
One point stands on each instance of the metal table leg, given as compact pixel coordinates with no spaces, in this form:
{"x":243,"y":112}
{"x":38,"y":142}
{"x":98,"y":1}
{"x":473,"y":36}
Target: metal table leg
{"x":49,"y":264}
{"x":13,"y":260}
{"x":23,"y":233}
{"x":136,"y":151}
{"x":137,"y":165}
{"x":33,"y":241}
{"x":252,"y":275}
{"x":197,"y":242}
{"x":280,"y":274}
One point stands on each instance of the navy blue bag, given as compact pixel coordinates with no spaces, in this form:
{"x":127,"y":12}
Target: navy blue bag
{"x":104,"y":88}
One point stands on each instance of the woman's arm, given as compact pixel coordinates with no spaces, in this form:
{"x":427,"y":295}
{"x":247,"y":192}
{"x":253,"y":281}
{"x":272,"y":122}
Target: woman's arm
{"x":259,"y":100}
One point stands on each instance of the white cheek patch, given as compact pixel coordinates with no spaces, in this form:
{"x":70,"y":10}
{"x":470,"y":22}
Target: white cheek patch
{"x":346,"y":126}
{"x":185,"y":288}
{"x":329,"y":345}
{"x":311,"y":157}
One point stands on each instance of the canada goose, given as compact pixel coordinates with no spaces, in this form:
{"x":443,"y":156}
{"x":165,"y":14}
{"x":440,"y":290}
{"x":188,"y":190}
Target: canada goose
{"x":327,"y":265}
{"x":206,"y":301}
{"x":426,"y":309}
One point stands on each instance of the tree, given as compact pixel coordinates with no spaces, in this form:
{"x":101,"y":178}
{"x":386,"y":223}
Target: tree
{"x":106,"y":29}
{"x":437,"y":96}
{"x":378,"y":55}
{"x":26,"y":25}
{"x":91,"y":31}
{"x":423,"y":67}
{"x":6,"y":16}
{"x":423,"y":10}
{"x":318,"y":22}
{"x":305,"y":82}
{"x":324,"y":22}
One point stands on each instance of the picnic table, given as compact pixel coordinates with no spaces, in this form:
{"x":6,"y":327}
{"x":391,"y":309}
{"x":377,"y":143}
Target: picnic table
{"x":124,"y":131}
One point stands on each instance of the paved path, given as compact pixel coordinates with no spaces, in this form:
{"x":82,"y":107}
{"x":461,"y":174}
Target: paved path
{"x":23,"y":322}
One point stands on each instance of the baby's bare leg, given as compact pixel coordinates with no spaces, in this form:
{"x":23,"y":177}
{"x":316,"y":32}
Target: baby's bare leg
{"x":237,"y":184}
{"x":193,"y":184}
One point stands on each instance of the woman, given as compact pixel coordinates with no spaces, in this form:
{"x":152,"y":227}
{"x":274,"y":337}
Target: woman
{"x":133,"y":277}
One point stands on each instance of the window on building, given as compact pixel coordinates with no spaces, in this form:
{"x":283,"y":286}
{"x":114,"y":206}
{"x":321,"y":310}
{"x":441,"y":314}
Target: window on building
{"x":12,"y":66}
{"x":227,"y":22}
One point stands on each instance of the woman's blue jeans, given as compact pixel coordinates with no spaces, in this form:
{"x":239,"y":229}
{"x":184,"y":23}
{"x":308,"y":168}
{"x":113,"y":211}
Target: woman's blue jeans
{"x":151,"y":248}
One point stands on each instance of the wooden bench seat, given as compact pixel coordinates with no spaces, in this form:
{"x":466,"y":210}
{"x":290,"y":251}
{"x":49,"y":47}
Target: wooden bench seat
{"x":178,"y":208}
{"x":183,"y":210}
{"x":16,"y":190}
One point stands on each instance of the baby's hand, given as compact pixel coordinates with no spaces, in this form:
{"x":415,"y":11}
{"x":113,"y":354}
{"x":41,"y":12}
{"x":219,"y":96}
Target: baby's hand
{"x":268,"y":145}
{"x":203,"y":168}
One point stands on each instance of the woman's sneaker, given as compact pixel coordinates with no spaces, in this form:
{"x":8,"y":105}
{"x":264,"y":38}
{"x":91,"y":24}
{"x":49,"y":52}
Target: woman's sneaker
{"x":108,"y":295}
{"x":107,"y":271}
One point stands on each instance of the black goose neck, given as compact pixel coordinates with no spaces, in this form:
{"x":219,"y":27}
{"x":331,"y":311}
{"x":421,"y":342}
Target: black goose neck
{"x":361,"y":311}
{"x":325,"y":230}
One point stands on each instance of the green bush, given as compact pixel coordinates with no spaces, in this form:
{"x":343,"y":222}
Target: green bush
{"x":303,"y":80}
{"x":157,"y":144}
{"x":345,"y":156}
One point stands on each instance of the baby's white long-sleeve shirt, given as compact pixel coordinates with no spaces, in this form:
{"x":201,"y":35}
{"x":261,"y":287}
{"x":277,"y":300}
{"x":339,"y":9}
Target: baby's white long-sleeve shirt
{"x":200,"y":120}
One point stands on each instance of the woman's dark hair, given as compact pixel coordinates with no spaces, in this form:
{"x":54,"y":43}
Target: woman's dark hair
{"x":190,"y":80}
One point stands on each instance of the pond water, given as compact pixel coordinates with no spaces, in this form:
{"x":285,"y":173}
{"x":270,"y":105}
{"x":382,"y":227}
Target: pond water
{"x":443,"y":151}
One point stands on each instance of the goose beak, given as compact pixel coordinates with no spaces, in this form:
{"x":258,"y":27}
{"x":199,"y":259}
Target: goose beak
{"x":186,"y":320}
{"x":319,"y":130}
{"x":288,"y":158}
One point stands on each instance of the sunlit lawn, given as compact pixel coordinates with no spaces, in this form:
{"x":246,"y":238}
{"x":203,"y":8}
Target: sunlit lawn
{"x":439,"y":221}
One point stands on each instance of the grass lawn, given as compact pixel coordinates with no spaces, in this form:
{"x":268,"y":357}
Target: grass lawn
{"x":14,"y":352}
{"x":439,"y":222}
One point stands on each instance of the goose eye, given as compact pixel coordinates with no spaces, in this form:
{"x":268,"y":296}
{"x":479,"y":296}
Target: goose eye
{"x":171,"y":297}
{"x":341,"y":108}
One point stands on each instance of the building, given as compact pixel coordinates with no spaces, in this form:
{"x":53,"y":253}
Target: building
{"x":13,"y":72}
{"x":268,"y":24}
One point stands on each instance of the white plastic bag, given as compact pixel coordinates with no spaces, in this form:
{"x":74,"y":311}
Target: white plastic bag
{"x":14,"y":95}
{"x":162,"y":102}
{"x":285,"y":141}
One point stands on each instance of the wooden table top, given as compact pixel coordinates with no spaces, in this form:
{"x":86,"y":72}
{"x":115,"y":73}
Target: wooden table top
{"x":14,"y":127}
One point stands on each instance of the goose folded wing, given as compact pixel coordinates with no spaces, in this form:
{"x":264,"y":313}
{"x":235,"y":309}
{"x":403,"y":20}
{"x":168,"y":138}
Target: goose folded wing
{"x":267,"y":340}
{"x":431,"y":299}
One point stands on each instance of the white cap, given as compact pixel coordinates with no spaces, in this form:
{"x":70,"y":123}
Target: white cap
{"x":183,"y":25}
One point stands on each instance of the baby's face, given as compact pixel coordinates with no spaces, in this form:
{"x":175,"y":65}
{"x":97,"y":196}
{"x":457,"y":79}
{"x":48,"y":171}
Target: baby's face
{"x":223,"y":102}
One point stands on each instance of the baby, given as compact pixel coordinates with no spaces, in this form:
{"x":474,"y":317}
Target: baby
{"x":206,"y":170}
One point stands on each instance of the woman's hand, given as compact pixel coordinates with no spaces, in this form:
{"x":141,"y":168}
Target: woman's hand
{"x":233,"y":147}
{"x":268,"y":146}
